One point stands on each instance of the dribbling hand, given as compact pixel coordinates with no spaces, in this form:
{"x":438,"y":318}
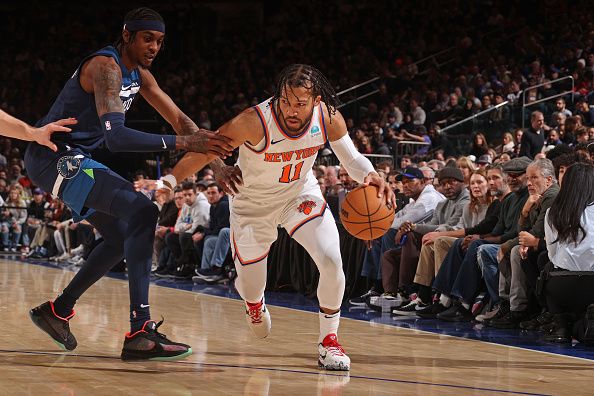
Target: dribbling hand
{"x":384,"y":189}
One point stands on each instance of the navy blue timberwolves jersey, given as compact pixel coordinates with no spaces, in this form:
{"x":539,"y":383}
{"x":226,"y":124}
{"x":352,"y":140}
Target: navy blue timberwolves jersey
{"x":73,"y":101}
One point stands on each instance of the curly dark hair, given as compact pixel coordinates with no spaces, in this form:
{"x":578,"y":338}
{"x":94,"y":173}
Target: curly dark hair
{"x":138,"y":14}
{"x":299,"y":75}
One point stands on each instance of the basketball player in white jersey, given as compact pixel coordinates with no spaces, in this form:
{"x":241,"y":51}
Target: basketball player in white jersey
{"x":278,"y":142}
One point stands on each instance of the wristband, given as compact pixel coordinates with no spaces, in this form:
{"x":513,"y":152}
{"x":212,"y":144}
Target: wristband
{"x":168,"y":181}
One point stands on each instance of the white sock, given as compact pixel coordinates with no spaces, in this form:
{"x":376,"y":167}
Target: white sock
{"x":445,"y":300}
{"x":467,"y":306}
{"x":328,"y":324}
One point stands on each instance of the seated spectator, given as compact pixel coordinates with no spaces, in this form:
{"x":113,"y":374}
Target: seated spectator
{"x":569,"y":235}
{"x":168,"y":215}
{"x":514,"y":277}
{"x":467,"y":167}
{"x":62,"y":241}
{"x":194,"y":217}
{"x":43,"y":244}
{"x":446,"y":217}
{"x":437,"y":243}
{"x":423,"y":200}
{"x":35,"y":216}
{"x":216,"y":236}
{"x":479,"y":145}
{"x":509,"y":144}
{"x":459,"y":276}
{"x":12,"y":219}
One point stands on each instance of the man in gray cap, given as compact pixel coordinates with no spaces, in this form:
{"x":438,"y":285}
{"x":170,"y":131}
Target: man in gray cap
{"x":513,"y":279}
{"x":463,"y":282}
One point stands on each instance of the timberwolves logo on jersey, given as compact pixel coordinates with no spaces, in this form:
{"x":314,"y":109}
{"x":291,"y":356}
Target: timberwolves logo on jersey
{"x":69,"y":166}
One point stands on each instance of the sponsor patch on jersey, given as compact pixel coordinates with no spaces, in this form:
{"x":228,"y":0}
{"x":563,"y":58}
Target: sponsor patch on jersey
{"x":68,"y":166}
{"x":315,"y":130}
{"x":306,"y":206}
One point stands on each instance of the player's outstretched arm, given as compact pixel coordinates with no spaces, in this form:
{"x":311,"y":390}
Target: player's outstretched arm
{"x":106,"y":80}
{"x":357,"y":166}
{"x":246,"y":127}
{"x":181,"y":123}
{"x":14,"y":128}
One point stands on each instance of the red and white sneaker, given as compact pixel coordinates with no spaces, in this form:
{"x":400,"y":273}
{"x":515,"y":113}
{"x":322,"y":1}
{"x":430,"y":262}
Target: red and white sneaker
{"x":331,"y":356}
{"x":258,"y":318}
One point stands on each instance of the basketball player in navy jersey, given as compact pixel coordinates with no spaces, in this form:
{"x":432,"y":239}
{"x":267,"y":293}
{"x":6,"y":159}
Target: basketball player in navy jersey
{"x":98,"y":95}
{"x":278,"y":142}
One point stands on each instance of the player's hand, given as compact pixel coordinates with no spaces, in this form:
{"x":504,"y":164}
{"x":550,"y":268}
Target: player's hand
{"x":384,"y":189}
{"x":206,"y":142}
{"x":145,"y":184}
{"x":229,"y":177}
{"x":43,"y":135}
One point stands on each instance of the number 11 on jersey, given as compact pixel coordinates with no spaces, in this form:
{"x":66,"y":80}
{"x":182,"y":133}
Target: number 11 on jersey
{"x":286,"y":176}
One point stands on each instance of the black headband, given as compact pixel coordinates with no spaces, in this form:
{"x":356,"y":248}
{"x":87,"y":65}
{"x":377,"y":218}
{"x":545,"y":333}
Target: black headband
{"x":135,"y":26}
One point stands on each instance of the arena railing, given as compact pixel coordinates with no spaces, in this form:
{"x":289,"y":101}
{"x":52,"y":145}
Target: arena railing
{"x":548,"y":98}
{"x":457,"y":137}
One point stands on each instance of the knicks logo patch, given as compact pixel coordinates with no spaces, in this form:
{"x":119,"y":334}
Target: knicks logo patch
{"x":306,"y":207}
{"x":315,"y":130}
{"x":68,"y":166}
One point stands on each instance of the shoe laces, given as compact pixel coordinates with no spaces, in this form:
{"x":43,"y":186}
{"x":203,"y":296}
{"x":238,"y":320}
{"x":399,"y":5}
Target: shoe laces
{"x":155,"y":332}
{"x":331,"y":344}
{"x":255,"y":312}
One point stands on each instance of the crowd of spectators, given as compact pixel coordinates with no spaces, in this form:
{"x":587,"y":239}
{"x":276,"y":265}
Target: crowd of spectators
{"x":470,"y":240}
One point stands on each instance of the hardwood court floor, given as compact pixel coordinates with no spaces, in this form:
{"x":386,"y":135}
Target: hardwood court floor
{"x":227,"y":360}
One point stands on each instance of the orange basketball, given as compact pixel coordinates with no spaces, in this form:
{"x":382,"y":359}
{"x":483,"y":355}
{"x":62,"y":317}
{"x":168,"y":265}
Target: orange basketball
{"x":364,"y":215}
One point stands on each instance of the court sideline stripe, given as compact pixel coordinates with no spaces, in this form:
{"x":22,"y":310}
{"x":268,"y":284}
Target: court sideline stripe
{"x":314,"y":373}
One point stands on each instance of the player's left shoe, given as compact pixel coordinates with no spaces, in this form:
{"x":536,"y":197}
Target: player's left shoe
{"x":331,"y":356}
{"x":148,"y":344}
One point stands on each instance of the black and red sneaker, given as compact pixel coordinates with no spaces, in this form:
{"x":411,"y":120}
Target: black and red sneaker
{"x":57,"y":327}
{"x":148,"y":344}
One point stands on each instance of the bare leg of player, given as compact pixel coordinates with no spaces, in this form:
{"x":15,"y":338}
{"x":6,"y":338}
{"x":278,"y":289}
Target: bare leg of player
{"x":320,"y":238}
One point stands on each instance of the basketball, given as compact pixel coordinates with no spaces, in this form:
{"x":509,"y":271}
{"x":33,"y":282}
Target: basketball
{"x":364,"y":215}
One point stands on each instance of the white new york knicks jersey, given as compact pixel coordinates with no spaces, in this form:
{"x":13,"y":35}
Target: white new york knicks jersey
{"x":280,"y":167}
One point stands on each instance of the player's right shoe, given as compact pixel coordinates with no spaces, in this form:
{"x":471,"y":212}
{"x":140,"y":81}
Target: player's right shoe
{"x":258,"y":318}
{"x":148,"y":344}
{"x":57,"y":327}
{"x":331,"y":356}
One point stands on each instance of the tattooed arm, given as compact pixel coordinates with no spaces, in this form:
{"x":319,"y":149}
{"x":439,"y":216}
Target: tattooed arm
{"x":160,"y":101}
{"x":105,"y":80}
{"x":181,"y":123}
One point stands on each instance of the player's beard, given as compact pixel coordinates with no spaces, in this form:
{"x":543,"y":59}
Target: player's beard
{"x":296,"y":128}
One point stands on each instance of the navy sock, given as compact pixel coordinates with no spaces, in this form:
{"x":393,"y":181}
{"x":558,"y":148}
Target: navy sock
{"x":64,"y":304}
{"x":139,"y":314}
